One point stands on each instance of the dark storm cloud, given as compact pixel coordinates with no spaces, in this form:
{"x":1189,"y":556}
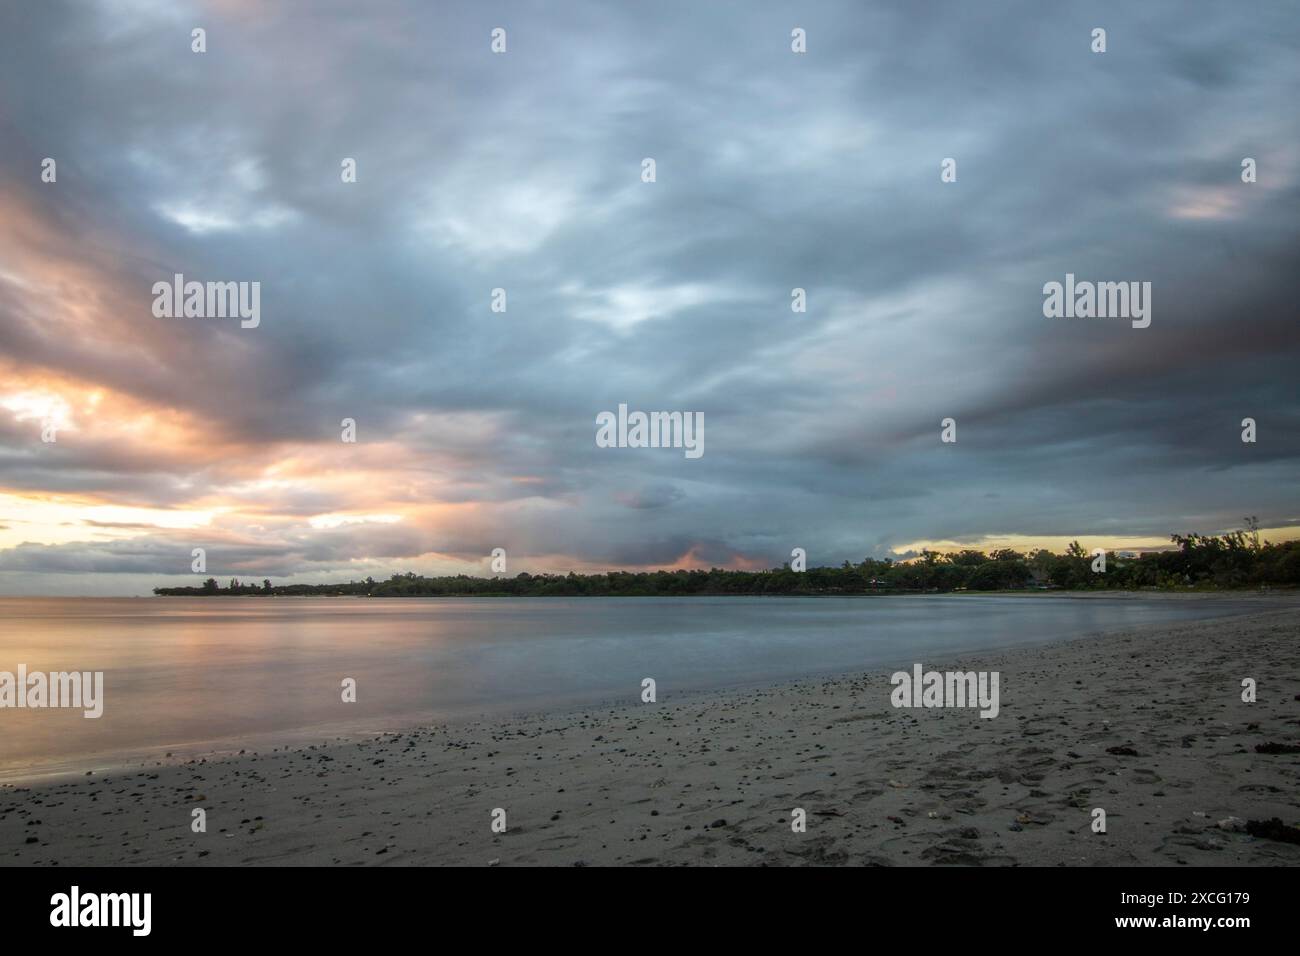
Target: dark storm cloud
{"x":775,"y":170}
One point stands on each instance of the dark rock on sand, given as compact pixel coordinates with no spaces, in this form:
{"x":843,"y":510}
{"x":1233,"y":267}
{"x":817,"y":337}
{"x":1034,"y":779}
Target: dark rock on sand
{"x":1273,"y":829}
{"x":1272,"y":748}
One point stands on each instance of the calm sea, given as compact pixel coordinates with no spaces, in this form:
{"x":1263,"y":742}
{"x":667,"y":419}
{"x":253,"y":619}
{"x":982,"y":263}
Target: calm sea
{"x":199,"y":675}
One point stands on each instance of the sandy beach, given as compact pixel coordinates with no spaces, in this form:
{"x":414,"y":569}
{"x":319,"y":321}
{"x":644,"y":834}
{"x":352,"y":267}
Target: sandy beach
{"x":1146,"y":724}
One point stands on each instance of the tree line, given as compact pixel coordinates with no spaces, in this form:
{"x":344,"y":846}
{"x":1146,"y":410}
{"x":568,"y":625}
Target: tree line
{"x":1234,"y":560}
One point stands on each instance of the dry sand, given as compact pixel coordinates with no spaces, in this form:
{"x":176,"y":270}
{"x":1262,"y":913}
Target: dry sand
{"x":712,"y":779}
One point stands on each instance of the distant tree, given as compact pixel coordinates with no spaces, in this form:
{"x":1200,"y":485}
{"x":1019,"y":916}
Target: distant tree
{"x":1231,"y":560}
{"x":1252,"y":529}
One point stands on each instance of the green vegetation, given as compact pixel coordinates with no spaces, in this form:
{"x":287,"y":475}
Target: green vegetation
{"x":1234,"y":560}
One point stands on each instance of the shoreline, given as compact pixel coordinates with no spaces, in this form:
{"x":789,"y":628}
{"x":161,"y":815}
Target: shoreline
{"x":1265,"y":593}
{"x":711,"y":777}
{"x":150,"y":757}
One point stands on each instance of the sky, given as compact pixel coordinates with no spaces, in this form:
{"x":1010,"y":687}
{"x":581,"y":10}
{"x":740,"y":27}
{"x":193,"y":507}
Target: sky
{"x":523,"y":171}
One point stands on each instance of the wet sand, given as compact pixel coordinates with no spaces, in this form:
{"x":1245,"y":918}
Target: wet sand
{"x":1147,"y":725}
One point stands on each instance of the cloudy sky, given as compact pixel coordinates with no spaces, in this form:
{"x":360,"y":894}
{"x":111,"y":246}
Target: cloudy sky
{"x":522,"y":171}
